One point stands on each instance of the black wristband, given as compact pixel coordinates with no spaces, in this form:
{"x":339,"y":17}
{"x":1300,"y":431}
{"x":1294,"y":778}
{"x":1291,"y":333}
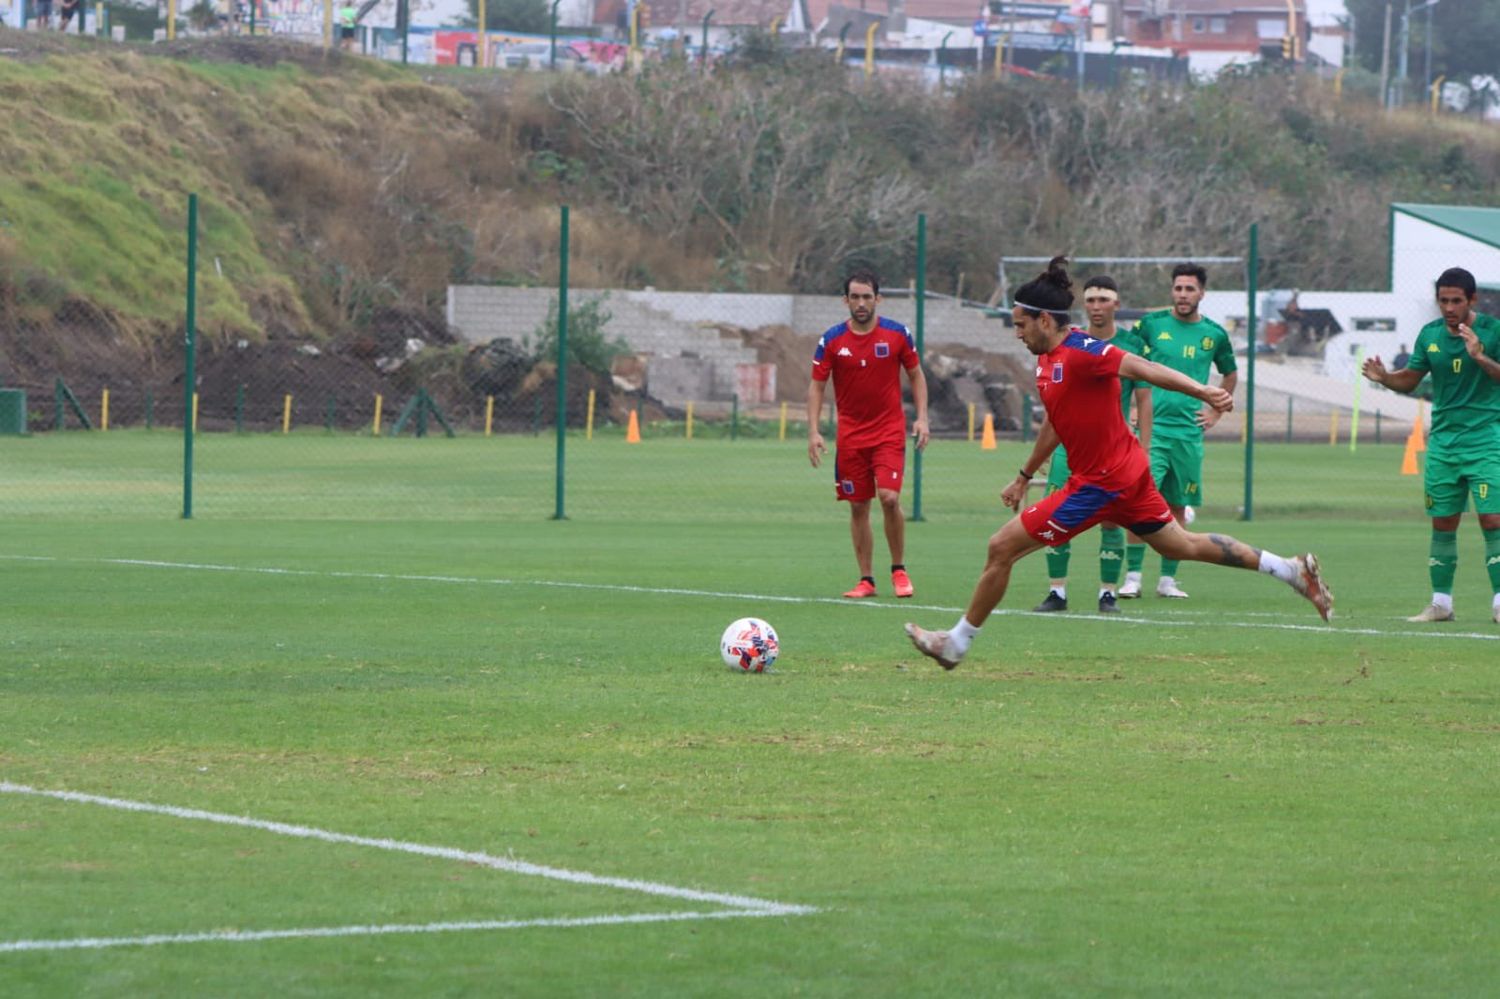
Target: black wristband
{"x":1023,"y":474}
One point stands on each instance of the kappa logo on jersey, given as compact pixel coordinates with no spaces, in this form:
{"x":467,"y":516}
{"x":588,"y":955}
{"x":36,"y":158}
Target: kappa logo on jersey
{"x":1494,"y":560}
{"x":845,"y":352}
{"x":1057,"y":372}
{"x":882,"y":350}
{"x":1088,"y":342}
{"x":1432,"y":348}
{"x":1047,"y":535}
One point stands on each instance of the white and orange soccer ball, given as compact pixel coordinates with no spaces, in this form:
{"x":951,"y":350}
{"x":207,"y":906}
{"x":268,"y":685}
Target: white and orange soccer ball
{"x":749,"y":645}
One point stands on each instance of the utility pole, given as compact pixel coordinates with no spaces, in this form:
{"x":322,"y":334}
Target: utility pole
{"x":1427,"y":70}
{"x":1404,"y":43}
{"x":1385,"y":60}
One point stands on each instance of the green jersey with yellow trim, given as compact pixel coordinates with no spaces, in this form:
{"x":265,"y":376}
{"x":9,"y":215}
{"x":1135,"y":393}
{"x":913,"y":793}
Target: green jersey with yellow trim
{"x":1465,"y":400}
{"x":1192,"y":349}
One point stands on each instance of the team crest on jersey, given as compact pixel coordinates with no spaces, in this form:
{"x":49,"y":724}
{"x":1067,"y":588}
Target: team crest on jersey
{"x":882,"y":350}
{"x":847,"y":485}
{"x":1208,"y":343}
{"x":1056,"y":372}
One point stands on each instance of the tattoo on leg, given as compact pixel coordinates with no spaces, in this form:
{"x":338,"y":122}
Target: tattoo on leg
{"x":1227,"y":554}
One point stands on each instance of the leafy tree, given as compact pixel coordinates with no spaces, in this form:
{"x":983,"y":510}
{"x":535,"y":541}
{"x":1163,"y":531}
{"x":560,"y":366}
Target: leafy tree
{"x":532,"y":17}
{"x":1457,"y":27}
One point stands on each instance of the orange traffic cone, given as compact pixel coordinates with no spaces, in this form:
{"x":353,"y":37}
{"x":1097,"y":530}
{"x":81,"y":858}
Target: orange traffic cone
{"x":633,"y":429}
{"x":987,"y":439}
{"x":1417,"y":429}
{"x":1409,"y":459}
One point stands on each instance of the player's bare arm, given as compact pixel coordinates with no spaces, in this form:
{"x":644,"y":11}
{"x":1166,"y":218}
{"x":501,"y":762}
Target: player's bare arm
{"x":1162,"y":376}
{"x":1144,"y":413}
{"x":1014,"y":494}
{"x":1404,"y":380}
{"x":919,"y":426}
{"x":816,"y":446}
{"x":1208,"y":417}
{"x":1475,"y":348}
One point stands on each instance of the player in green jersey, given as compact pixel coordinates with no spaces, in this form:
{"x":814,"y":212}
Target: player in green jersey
{"x":1185,"y":341}
{"x":1460,"y":352}
{"x":1101,"y":299}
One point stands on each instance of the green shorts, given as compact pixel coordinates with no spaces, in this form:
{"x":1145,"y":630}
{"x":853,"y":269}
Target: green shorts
{"x":1451,"y":478}
{"x":1177,"y":467}
{"x":1057,"y":472}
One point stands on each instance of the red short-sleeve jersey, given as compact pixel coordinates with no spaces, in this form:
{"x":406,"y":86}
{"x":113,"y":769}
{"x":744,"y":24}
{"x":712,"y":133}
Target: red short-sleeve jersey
{"x":866,"y":372}
{"x":1079,"y":384}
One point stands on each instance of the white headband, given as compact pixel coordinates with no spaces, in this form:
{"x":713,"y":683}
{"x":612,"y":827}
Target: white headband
{"x":1037,"y":308}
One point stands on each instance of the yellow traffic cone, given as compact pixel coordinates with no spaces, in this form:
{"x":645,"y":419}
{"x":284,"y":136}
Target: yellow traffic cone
{"x":987,"y":439}
{"x":633,"y":429}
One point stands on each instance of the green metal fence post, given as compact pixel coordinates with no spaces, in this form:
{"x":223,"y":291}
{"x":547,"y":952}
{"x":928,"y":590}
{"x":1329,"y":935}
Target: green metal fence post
{"x":1025,"y":417}
{"x":1377,"y":426}
{"x":328,"y":415}
{"x":916,"y":465}
{"x":734,"y":418}
{"x":559,"y":513}
{"x":1252,"y":276}
{"x":190,"y":364}
{"x":1288,"y":419}
{"x":239,"y":409}
{"x":58,"y":402}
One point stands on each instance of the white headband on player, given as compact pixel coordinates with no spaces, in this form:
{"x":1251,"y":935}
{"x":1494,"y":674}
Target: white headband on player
{"x":1037,"y":308}
{"x":1101,"y":294}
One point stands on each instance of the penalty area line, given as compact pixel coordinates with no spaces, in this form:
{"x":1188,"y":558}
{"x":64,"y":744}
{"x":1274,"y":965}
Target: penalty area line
{"x":252,"y":936}
{"x":740,"y":903}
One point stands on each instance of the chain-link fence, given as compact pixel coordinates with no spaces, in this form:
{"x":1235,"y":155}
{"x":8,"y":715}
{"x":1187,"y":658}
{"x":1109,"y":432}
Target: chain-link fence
{"x":687,"y":403}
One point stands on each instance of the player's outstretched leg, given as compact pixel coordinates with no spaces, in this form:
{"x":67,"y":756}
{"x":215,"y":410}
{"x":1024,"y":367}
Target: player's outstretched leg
{"x":1301,"y":573}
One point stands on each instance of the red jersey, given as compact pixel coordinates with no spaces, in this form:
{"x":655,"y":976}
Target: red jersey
{"x":1079,"y":384}
{"x":866,"y":372}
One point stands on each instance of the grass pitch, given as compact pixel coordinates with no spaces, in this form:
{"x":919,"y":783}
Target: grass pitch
{"x":1221,"y":796}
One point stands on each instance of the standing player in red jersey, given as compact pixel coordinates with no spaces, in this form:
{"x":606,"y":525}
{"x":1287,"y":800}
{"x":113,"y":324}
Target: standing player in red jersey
{"x":1078,"y":379}
{"x":865,"y":357}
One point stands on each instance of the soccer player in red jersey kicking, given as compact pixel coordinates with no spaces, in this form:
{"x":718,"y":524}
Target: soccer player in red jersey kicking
{"x":1078,"y":380}
{"x":865,"y":357}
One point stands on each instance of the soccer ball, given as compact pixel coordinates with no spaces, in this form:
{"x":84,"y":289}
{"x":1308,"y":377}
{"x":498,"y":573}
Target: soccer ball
{"x":749,"y":645}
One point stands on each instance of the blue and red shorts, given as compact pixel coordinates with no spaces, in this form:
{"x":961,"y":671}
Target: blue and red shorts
{"x":1078,"y":506}
{"x":859,"y":471}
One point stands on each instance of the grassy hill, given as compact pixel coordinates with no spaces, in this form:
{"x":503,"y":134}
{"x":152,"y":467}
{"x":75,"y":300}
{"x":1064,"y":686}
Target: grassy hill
{"x":335,"y":190}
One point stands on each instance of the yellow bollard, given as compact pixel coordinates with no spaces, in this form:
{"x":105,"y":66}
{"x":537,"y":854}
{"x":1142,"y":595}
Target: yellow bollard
{"x":588,"y":424}
{"x":375,"y":426}
{"x":195,"y":412}
{"x":104,"y":410}
{"x":971,"y":423}
{"x":690,"y":421}
{"x":286,"y":415}
{"x":1333,"y":427}
{"x":489,"y":414}
{"x":783,"y":423}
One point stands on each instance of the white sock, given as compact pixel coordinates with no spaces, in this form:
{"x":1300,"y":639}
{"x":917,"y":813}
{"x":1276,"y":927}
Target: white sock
{"x":1060,"y":589}
{"x":1165,"y":582}
{"x":1275,"y":565}
{"x":1132,"y":577}
{"x":961,"y":634}
{"x":1106,"y":591}
{"x":1495,"y":604}
{"x":1442,"y":601}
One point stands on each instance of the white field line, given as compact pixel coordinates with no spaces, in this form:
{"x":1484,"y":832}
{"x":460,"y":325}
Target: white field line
{"x":250,"y":936}
{"x":1113,"y":620}
{"x":740,"y":906}
{"x":443,"y":852}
